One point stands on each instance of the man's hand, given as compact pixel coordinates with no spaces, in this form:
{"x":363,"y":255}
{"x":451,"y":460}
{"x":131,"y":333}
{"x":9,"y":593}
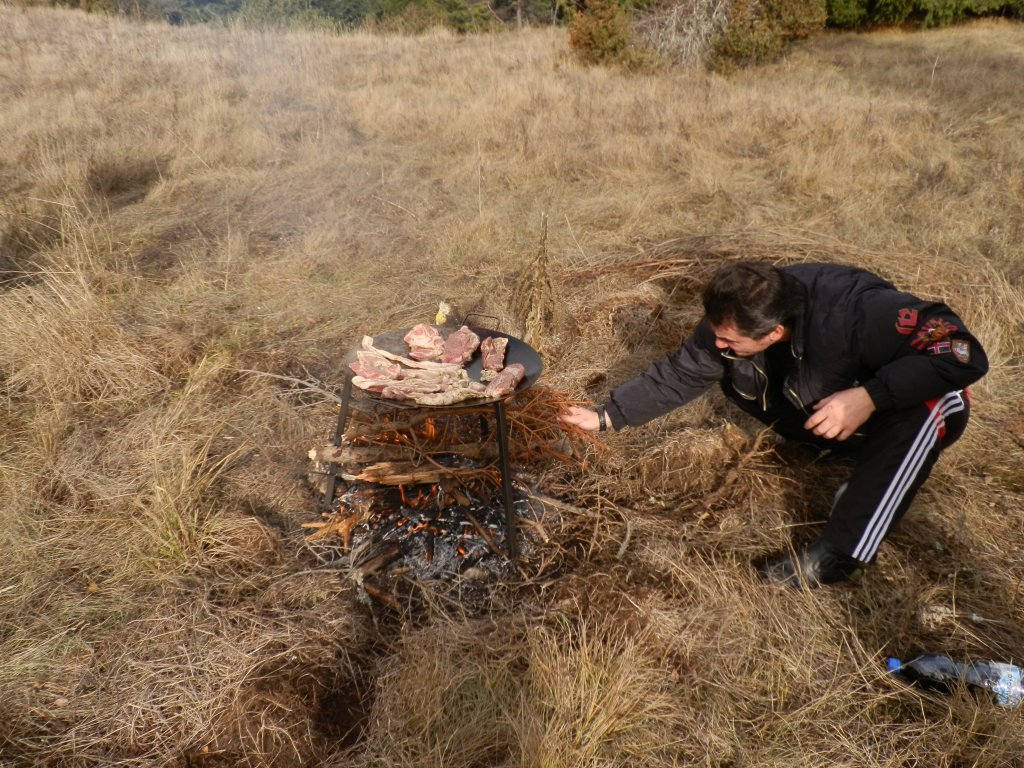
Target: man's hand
{"x":584,"y":418}
{"x":839,"y":415}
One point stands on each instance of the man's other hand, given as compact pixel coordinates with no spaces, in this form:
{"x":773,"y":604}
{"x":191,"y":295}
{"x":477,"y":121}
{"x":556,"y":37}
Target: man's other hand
{"x":584,"y":418}
{"x":839,"y":415}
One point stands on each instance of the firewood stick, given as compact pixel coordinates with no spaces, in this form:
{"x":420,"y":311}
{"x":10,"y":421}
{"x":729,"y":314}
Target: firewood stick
{"x":484,"y":534}
{"x":381,"y":596}
{"x":383,"y":452}
{"x":374,"y":563}
{"x":374,"y":423}
{"x":394,"y":473}
{"x":400,"y":473}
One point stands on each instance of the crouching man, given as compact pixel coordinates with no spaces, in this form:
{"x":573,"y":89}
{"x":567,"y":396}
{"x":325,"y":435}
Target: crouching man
{"x":835,"y":357}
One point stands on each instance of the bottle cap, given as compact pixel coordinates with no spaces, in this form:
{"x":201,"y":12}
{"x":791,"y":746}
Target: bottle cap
{"x":894,"y":664}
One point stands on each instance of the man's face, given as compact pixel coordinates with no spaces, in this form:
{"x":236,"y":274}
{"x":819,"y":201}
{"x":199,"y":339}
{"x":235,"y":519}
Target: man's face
{"x":727,"y":336}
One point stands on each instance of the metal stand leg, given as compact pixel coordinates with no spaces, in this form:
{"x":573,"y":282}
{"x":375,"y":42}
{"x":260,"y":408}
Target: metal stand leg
{"x":332,"y":470}
{"x":506,"y":480}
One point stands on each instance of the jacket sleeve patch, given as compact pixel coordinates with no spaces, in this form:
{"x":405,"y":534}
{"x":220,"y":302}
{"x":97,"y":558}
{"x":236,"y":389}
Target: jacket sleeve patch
{"x":934,"y":330}
{"x":940,"y":348}
{"x":906,"y":321}
{"x":962,"y":350}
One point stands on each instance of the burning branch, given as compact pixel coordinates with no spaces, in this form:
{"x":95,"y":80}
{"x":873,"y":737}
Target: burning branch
{"x":336,"y":524}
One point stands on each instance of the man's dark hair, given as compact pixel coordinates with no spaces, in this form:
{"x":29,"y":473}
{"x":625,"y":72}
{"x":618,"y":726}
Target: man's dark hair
{"x":753,"y":297}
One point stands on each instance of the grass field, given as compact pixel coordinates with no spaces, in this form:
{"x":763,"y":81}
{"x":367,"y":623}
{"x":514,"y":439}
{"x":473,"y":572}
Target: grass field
{"x":181,"y":205}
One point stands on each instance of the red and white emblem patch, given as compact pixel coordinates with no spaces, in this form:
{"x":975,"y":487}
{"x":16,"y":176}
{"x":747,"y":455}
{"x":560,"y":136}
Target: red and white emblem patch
{"x":962,"y":350}
{"x":934,"y":330}
{"x":906,"y":321}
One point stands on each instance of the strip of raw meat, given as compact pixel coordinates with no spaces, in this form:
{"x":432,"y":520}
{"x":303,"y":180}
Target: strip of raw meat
{"x":403,"y":389}
{"x":425,"y":364}
{"x":492,"y":352}
{"x":370,"y":385}
{"x":446,"y":375}
{"x":409,"y":382}
{"x":370,"y":365}
{"x":506,"y":382}
{"x":400,"y":389}
{"x":425,"y":343}
{"x":448,"y":397}
{"x":414,"y":381}
{"x":460,"y":346}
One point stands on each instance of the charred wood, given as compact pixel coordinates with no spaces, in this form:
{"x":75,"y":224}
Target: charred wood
{"x":405,"y":473}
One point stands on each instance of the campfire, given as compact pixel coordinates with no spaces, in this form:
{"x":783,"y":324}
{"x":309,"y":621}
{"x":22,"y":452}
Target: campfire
{"x":428,"y":494}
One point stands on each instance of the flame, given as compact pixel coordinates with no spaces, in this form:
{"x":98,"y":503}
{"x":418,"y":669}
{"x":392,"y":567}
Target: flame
{"x":427,"y":498}
{"x":429,"y":429}
{"x":423,"y":498}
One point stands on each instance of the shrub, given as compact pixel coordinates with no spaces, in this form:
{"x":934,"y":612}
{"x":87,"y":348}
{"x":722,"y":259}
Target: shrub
{"x":271,"y":14}
{"x":890,"y":11}
{"x":417,"y":16}
{"x":759,"y":29}
{"x":940,"y":13}
{"x":600,"y":33}
{"x":928,"y":13}
{"x":846,"y":13}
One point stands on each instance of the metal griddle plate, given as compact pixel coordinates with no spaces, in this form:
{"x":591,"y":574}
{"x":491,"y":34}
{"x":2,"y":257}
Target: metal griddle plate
{"x":517,"y":351}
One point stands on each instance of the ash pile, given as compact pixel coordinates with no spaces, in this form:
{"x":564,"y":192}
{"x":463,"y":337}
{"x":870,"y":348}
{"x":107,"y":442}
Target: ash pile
{"x":444,"y":530}
{"x":416,"y":496}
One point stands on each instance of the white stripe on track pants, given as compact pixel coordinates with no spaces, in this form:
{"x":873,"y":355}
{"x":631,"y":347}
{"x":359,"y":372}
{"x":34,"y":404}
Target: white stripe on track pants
{"x":893,"y":456}
{"x":894,"y":459}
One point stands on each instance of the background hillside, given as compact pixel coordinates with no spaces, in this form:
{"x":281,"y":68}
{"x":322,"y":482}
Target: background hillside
{"x":179,"y":205}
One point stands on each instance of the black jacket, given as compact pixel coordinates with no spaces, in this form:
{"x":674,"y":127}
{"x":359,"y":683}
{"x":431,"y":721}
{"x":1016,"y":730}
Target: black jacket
{"x":857,"y":330}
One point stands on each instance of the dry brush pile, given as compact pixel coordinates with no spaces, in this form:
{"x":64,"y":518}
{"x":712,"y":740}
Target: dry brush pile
{"x":181,"y":206}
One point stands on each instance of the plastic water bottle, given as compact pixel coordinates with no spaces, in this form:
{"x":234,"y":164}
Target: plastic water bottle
{"x":942,"y":672}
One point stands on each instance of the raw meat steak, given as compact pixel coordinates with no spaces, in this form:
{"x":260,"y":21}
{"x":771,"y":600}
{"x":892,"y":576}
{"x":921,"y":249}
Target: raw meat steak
{"x":460,"y":346}
{"x":492,"y":351}
{"x":506,"y":381}
{"x":425,"y":343}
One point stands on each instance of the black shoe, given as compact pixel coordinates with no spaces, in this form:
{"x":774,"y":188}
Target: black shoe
{"x":819,"y":564}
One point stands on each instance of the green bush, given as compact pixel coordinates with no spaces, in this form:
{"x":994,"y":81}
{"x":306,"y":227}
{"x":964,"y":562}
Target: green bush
{"x":600,"y":33}
{"x":846,"y":13}
{"x":758,"y":30}
{"x":928,"y":13}
{"x":890,"y":11}
{"x":416,"y":16}
{"x":939,"y":13}
{"x":279,"y":13}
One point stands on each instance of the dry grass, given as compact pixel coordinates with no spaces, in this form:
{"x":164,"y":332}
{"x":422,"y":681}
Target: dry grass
{"x":178,"y":205}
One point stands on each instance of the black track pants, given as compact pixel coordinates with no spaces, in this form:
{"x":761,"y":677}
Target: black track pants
{"x":893,"y":453}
